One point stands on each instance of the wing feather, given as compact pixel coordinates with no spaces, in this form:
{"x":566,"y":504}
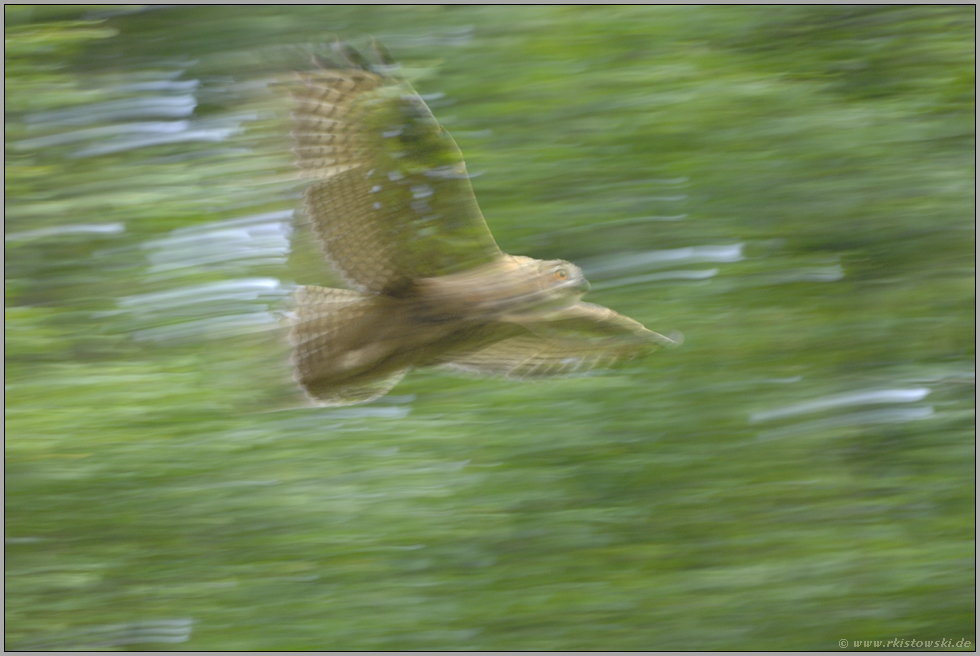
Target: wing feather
{"x":391,"y":200}
{"x":574,"y":340}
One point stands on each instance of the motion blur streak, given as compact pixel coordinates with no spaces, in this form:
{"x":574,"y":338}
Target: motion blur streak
{"x":844,"y":400}
{"x":790,"y":187}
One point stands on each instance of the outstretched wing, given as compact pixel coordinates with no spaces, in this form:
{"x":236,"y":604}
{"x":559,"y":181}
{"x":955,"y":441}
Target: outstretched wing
{"x":391,"y":199}
{"x":573,"y":340}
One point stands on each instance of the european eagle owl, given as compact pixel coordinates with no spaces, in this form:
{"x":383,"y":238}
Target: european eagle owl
{"x":393,"y":208}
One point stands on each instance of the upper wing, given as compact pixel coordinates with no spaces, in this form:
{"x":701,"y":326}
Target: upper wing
{"x":392,"y":200}
{"x":573,"y":340}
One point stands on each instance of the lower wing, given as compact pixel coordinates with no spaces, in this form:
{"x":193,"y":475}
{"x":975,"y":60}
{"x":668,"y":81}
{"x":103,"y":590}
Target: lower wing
{"x":573,"y":340}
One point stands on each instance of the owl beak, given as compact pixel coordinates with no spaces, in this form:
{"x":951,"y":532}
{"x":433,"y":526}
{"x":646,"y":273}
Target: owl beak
{"x":584,"y":286}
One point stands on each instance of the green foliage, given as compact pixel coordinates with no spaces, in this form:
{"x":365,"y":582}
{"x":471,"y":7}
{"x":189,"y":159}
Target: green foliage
{"x":790,"y":187}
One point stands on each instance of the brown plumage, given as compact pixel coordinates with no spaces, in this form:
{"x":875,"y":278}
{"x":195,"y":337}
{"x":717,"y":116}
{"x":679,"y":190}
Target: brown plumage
{"x":393,"y":208}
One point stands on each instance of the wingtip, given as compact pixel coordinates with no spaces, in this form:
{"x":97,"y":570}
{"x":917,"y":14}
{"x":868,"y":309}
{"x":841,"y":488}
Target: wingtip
{"x":673,"y":340}
{"x":384,"y":57}
{"x":323,"y":63}
{"x":351,"y":56}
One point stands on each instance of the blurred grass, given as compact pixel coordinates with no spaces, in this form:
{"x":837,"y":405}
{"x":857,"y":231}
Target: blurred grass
{"x":642,"y":509}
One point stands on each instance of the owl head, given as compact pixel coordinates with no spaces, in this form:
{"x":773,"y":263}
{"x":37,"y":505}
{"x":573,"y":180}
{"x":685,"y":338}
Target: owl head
{"x":562,"y":275}
{"x":510,"y":286}
{"x":549,"y":284}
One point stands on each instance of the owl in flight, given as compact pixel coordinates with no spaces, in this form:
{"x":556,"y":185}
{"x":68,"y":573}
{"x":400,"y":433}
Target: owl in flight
{"x":392,"y":206}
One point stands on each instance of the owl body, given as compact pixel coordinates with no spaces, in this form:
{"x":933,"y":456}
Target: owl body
{"x":393,"y":208}
{"x":508,"y":287}
{"x":343,"y":340}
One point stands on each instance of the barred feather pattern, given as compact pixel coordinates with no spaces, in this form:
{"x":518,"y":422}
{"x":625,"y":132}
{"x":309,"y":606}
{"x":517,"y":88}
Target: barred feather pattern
{"x":393,"y":208}
{"x":391,"y":199}
{"x":574,"y":340}
{"x":330,"y":335}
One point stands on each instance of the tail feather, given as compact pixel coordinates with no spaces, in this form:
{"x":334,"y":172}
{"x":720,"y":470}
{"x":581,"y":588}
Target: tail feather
{"x":332,"y":359}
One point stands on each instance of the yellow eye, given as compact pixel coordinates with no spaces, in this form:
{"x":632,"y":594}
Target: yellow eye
{"x":561,"y":274}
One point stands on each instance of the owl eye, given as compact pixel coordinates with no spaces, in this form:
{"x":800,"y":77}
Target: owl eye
{"x":561,"y":274}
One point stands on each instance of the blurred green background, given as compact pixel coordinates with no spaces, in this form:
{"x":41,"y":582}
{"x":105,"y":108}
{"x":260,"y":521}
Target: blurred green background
{"x":790,"y":187}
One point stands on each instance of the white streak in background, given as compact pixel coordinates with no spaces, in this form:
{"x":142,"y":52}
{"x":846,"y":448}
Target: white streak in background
{"x":57,"y":231}
{"x":210,"y":328}
{"x":961,"y":377}
{"x":62,"y":138}
{"x":211,"y":135}
{"x":215,"y":309}
{"x":172,"y":99}
{"x":844,"y":400}
{"x":656,"y":259}
{"x":386,"y":412}
{"x":681,"y":274}
{"x":210,"y":310}
{"x":185,"y":86}
{"x":452,"y":37}
{"x":141,"y":107}
{"x":635,"y":220}
{"x":473,"y":134}
{"x":668,"y":199}
{"x":184,"y":131}
{"x":813,"y":274}
{"x":245,"y":289}
{"x":888,"y":416}
{"x":249,"y":241}
{"x":643,"y":182}
{"x":117,"y":635}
